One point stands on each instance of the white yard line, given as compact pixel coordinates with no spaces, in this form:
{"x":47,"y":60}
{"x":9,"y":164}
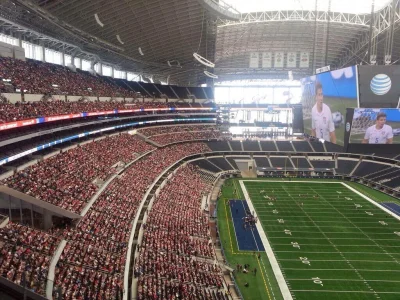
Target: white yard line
{"x":336,"y":291}
{"x":271,"y":256}
{"x":371,"y":201}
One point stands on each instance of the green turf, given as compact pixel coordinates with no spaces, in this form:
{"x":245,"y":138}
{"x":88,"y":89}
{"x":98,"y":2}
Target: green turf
{"x":354,"y":255}
{"x":261,"y":286}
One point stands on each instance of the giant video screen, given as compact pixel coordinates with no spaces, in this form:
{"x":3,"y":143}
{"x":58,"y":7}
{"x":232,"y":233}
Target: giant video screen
{"x":375,"y":126}
{"x":325,"y":98}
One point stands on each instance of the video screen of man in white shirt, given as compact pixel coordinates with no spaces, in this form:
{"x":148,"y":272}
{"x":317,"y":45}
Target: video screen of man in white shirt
{"x":322,"y":125}
{"x":380,"y":133}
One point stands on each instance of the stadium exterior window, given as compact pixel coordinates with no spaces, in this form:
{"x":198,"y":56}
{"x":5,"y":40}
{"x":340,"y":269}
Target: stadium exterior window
{"x":85,"y":65}
{"x":78,"y":62}
{"x":97,"y":68}
{"x":133,"y":77}
{"x":119,"y":74}
{"x":107,"y":71}
{"x":32,"y":51}
{"x":8,"y":39}
{"x":67,"y":59}
{"x":53,"y":57}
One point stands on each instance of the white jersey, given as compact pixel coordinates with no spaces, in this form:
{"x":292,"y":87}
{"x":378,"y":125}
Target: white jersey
{"x":322,"y":122}
{"x":378,"y":136}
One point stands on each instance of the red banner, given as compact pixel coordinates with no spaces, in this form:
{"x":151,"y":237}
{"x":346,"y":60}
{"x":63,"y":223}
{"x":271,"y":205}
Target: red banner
{"x":16,"y":124}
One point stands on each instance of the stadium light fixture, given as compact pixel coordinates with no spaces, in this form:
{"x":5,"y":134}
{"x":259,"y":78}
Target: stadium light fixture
{"x":119,"y":39}
{"x":211,"y":75}
{"x":98,"y":20}
{"x":203,"y":60}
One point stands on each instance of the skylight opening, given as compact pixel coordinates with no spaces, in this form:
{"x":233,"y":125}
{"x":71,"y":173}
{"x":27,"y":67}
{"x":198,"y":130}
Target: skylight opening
{"x":344,"y":6}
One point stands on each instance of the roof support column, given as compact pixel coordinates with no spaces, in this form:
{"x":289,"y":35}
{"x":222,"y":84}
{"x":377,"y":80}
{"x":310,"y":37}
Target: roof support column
{"x":390,"y":34}
{"x":372,"y":56}
{"x":327,"y":33}
{"x":315,"y":38}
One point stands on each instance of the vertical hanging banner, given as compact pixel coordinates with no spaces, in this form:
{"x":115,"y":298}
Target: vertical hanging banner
{"x":291,"y":59}
{"x":279,"y":59}
{"x":304,"y":59}
{"x":267,"y":60}
{"x":254,"y":58}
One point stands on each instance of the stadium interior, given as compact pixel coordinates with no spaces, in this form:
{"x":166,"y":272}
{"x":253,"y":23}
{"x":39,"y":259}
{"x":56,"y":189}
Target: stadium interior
{"x":199,"y":149}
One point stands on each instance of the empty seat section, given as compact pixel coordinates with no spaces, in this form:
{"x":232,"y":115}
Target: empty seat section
{"x":233,"y":158}
{"x":284,"y":146}
{"x":198,"y":92}
{"x":366,"y":168}
{"x":300,"y":163}
{"x":346,"y":166}
{"x":281,"y":162}
{"x":384,"y":171}
{"x":394,"y":183}
{"x":268,"y":146}
{"x":204,"y":164}
{"x":331,"y":147}
{"x":180,"y":91}
{"x":392,"y":173}
{"x":302,"y":146}
{"x":236,"y":145}
{"x":323,"y":164}
{"x":251,"y":146}
{"x":262,"y":162}
{"x":219,"y":146}
{"x":318,"y":147}
{"x":221,"y":163}
{"x":165,"y":89}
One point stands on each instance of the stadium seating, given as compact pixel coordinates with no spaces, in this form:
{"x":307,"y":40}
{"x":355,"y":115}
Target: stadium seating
{"x":219,"y":146}
{"x":262,"y":162}
{"x":365,"y":168}
{"x":346,"y":166}
{"x":302,"y":146}
{"x":268,"y":146}
{"x":99,"y":242}
{"x":44,"y":78}
{"x":221,"y":162}
{"x":251,"y":146}
{"x":66,"y":179}
{"x":284,"y":146}
{"x":173,"y":134}
{"x":25,"y":255}
{"x":174,"y":236}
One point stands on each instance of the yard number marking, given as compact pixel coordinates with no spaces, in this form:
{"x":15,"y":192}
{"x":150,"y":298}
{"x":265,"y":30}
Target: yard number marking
{"x":397,"y":233}
{"x":348,"y":198}
{"x":295,"y":245}
{"x":317,"y":280}
{"x":275,"y":211}
{"x":369,"y":213}
{"x":270,"y":203}
{"x":383,"y":223}
{"x":305,"y":261}
{"x":281,"y":221}
{"x":288,"y":232}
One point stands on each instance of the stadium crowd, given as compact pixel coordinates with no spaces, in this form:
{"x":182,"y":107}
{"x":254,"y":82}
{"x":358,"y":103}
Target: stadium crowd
{"x":25,"y":256}
{"x":175,"y":235}
{"x":172,"y":134}
{"x":66,"y":179}
{"x":25,"y":110}
{"x":100,"y":240}
{"x":36,"y":77}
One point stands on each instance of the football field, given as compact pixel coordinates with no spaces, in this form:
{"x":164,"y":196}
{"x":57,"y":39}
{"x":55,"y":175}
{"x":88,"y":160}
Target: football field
{"x":327,"y":240}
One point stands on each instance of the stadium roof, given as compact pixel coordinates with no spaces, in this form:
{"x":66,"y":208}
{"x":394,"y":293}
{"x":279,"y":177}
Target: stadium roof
{"x":344,"y":6}
{"x":171,"y":31}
